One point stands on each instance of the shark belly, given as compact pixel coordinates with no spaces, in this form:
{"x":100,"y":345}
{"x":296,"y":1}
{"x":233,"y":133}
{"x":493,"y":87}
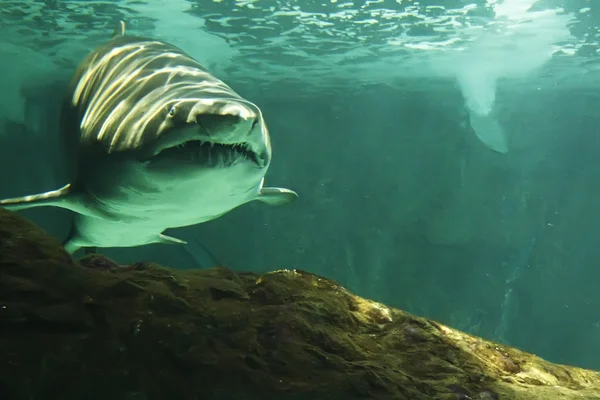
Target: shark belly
{"x":137,"y":204}
{"x":99,"y":232}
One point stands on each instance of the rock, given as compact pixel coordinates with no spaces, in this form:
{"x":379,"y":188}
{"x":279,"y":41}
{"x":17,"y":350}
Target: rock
{"x":95,"y":330}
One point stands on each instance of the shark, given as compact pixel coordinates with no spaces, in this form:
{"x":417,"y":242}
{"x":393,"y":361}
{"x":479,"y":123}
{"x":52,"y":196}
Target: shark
{"x":154,"y":141}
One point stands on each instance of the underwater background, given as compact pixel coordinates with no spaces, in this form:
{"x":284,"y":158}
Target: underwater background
{"x":445,"y":152}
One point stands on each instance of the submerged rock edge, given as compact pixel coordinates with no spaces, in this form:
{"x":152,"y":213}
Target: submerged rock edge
{"x":94,"y":329}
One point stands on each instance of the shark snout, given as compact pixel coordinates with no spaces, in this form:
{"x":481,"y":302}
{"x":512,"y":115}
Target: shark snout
{"x":235,"y":123}
{"x":226,"y":128}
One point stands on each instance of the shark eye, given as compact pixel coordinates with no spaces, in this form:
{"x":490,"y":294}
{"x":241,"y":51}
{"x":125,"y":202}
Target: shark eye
{"x":255,"y":123}
{"x":172,"y":111}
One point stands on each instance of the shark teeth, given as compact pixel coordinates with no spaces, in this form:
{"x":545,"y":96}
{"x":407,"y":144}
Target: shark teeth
{"x":217,"y":154}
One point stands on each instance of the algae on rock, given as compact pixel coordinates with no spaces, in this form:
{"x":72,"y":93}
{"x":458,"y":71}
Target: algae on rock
{"x":96,"y":330}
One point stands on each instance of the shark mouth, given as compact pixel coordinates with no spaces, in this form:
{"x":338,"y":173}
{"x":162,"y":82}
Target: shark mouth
{"x":214,"y":154}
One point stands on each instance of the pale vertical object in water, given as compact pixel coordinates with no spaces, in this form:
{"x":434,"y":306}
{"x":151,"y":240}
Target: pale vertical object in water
{"x":528,"y":44}
{"x":479,"y":89}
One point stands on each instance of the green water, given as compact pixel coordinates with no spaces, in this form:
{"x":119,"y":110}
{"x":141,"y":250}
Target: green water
{"x":370,"y":106}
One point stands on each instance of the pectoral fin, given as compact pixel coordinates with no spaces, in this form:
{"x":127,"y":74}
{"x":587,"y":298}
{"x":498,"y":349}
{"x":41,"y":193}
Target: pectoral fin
{"x":56,"y":198}
{"x":169,"y":240}
{"x":275,"y":196}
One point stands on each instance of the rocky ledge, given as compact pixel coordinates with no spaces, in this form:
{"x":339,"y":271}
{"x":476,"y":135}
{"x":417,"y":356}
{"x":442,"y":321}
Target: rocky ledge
{"x":95,"y":330}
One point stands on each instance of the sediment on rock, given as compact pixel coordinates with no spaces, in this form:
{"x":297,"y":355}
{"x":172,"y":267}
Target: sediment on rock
{"x":95,"y":330}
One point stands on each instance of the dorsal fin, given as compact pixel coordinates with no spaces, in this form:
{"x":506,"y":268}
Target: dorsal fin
{"x":119,"y":30}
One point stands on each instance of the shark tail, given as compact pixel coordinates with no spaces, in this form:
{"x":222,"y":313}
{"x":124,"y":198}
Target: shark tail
{"x":54,"y":198}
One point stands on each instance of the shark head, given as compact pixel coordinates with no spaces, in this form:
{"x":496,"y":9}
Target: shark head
{"x":191,"y":150}
{"x":201,"y":134}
